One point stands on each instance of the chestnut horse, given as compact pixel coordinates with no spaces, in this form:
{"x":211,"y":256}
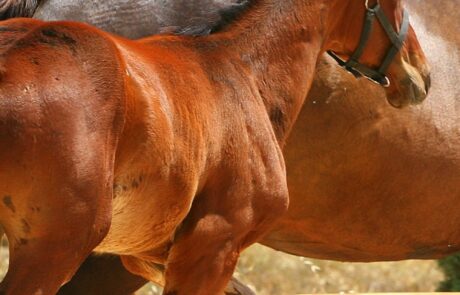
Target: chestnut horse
{"x":330,"y":100}
{"x":400,"y":155}
{"x":165,"y":150}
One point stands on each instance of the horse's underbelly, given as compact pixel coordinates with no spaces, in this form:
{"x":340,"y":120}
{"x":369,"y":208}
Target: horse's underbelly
{"x":351,"y":244}
{"x":366,"y":225}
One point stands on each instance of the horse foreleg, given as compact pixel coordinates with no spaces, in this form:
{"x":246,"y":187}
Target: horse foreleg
{"x":205,"y":250}
{"x":138,"y":266}
{"x":202,"y":261}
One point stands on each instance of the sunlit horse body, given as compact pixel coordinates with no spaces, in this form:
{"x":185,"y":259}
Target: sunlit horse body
{"x":375,"y":155}
{"x":186,"y":139}
{"x":341,"y":110}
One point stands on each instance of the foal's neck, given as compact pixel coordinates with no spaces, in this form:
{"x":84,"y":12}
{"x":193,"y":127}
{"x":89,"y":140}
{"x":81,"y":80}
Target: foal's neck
{"x":280,"y":41}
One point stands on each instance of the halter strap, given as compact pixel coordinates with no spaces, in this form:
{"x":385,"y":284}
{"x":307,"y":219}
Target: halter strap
{"x":377,"y":75}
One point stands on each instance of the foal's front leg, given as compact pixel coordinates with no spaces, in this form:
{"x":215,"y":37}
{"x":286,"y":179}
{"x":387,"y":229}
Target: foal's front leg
{"x":224,"y":220}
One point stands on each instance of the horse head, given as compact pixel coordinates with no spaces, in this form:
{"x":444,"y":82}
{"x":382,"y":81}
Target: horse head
{"x":374,"y":39}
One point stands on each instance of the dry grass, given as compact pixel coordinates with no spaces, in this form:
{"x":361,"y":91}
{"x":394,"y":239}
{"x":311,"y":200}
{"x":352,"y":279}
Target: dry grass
{"x":275,"y":273}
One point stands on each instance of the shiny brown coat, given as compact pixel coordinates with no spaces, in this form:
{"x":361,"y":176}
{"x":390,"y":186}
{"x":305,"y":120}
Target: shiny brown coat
{"x":388,"y":181}
{"x":348,"y":145}
{"x":165,"y":150}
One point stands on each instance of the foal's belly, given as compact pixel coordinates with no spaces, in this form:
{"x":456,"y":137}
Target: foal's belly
{"x":146,"y":211}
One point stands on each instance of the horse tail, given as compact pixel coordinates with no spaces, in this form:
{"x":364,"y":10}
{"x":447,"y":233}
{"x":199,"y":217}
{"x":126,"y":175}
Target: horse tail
{"x":18,"y":8}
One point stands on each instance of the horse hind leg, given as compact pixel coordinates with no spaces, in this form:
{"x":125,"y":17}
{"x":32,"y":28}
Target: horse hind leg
{"x":49,"y":244}
{"x":54,"y":212}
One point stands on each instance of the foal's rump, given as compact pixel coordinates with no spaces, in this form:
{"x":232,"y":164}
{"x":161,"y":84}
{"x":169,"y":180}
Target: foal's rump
{"x":54,"y":91}
{"x":60,"y":115}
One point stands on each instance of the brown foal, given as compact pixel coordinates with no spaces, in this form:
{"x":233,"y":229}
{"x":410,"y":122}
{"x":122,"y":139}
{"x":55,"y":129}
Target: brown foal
{"x":166,"y":150}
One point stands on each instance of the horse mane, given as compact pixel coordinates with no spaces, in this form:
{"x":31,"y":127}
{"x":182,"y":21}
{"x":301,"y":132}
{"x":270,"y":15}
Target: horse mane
{"x":226,"y":15}
{"x":17,"y":8}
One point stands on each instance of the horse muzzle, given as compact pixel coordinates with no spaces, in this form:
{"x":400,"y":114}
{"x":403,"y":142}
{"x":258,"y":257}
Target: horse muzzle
{"x":411,"y":88}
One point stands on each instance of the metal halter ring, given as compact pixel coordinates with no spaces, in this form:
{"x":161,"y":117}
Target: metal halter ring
{"x":367,"y":4}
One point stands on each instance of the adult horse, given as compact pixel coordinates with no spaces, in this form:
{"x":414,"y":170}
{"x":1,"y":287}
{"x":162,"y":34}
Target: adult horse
{"x":388,"y":181}
{"x":132,"y":19}
{"x":187,"y":135}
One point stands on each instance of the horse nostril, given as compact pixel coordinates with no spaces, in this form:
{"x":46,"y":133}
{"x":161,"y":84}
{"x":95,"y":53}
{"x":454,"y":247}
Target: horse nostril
{"x":427,"y":81}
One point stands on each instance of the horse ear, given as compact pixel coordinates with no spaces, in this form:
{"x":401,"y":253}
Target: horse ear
{"x":18,"y":8}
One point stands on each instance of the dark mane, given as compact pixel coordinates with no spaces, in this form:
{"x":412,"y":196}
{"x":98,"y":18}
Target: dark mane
{"x":225,"y":16}
{"x":17,"y":8}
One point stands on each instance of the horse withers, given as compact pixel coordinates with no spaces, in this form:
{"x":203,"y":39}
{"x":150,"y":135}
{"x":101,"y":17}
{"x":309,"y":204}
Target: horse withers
{"x":177,"y":137}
